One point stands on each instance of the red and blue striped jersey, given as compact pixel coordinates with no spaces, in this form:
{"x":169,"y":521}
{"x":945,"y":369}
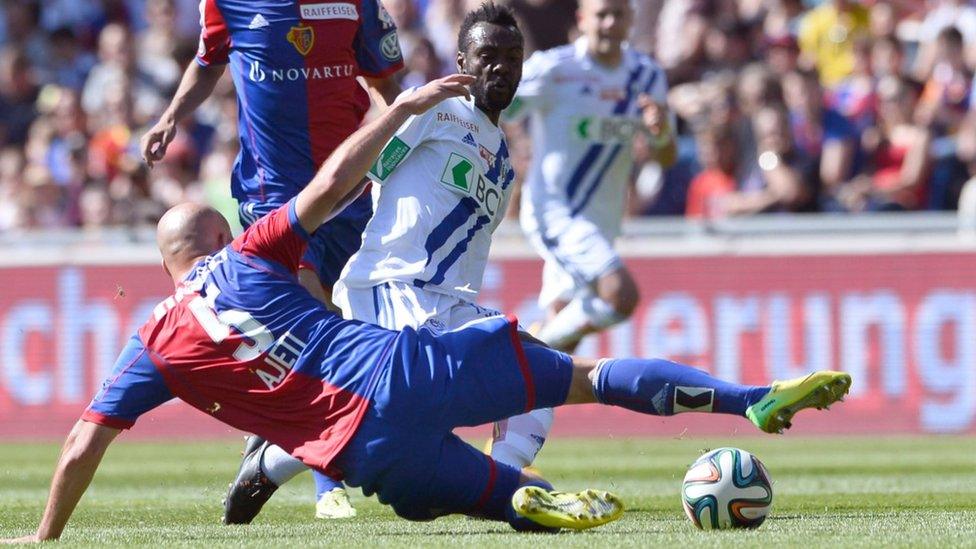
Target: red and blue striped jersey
{"x":294,"y":65}
{"x":242,"y":341}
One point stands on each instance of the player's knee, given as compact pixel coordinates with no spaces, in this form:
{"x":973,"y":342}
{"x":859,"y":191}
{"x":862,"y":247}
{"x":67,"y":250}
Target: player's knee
{"x":619,"y":290}
{"x":414,"y":513}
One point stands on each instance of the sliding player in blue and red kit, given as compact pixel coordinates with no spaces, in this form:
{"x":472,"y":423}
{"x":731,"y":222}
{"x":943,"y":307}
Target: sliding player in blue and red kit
{"x":294,"y":66}
{"x":243,"y":342}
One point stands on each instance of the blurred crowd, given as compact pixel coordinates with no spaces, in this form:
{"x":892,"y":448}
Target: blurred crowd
{"x":781,"y":105}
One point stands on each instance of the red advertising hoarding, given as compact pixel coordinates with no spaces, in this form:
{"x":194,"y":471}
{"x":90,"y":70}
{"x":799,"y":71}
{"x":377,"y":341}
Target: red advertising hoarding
{"x":903,"y":324}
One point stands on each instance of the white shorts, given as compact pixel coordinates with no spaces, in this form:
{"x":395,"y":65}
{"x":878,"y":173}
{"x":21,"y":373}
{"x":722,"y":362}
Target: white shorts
{"x":576,"y":253}
{"x":395,"y":305}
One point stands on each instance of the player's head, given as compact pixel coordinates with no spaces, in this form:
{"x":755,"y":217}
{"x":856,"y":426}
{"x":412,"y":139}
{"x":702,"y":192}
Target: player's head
{"x":187,"y":232}
{"x":491,"y":48}
{"x":605,"y":24}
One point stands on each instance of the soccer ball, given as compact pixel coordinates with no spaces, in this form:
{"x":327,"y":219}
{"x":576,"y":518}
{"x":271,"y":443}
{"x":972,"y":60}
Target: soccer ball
{"x":727,"y":488}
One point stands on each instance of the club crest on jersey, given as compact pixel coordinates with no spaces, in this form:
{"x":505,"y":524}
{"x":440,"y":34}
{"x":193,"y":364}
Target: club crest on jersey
{"x":302,"y":37}
{"x":487,"y":156}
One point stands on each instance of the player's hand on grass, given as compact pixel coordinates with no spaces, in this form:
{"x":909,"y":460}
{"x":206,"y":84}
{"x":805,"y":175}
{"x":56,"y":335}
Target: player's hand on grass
{"x":25,"y":539}
{"x":156,"y":140}
{"x":434,"y":92}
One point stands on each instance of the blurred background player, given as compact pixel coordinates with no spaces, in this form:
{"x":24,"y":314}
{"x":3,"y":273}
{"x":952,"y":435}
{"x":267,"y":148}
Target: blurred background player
{"x":587,"y":101}
{"x":242,"y":341}
{"x":441,"y":187}
{"x":295,"y":69}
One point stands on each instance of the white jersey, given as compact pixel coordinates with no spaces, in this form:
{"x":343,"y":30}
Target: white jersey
{"x":441,"y":187}
{"x":584,"y":116}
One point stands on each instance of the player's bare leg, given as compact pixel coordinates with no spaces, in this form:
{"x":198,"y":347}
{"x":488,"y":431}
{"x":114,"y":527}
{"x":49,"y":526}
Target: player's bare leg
{"x":611,"y":299}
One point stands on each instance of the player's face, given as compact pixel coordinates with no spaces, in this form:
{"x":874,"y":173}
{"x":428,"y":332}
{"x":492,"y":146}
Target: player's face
{"x":494,"y":56}
{"x":605,"y":24}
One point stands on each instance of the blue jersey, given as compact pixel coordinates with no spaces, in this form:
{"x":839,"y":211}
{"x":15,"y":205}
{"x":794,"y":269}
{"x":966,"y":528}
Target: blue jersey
{"x":242,"y":341}
{"x":294,"y":65}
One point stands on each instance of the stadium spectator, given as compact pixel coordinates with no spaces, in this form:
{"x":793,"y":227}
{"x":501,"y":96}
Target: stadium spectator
{"x":753,"y":48}
{"x":718,"y":156}
{"x":116,"y":64}
{"x":945,"y":98}
{"x":18,"y":90}
{"x":827,"y":35}
{"x":820,"y":133}
{"x":782,"y":178}
{"x":960,"y":14}
{"x":545,"y":23}
{"x":854,"y":97}
{"x":20,"y":28}
{"x":899,"y":156}
{"x":68,"y":65}
{"x":782,"y":53}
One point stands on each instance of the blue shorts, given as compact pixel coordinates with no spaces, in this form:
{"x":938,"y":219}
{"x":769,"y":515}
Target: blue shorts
{"x":332,"y":244}
{"x":404,"y":450}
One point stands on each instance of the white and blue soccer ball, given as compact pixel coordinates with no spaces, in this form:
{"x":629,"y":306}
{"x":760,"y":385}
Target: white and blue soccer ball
{"x":727,"y":488}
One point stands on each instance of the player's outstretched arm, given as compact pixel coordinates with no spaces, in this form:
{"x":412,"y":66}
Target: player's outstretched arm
{"x":80,"y":457}
{"x":385,"y":90}
{"x":347,"y":166}
{"x":197,"y":84}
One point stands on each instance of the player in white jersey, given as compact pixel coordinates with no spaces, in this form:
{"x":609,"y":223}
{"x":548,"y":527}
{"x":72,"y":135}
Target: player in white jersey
{"x":440,"y":188}
{"x":587,"y":102}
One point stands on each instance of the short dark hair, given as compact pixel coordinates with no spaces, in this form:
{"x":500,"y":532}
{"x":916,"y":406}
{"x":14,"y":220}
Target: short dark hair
{"x":951,"y":36}
{"x":489,"y":12}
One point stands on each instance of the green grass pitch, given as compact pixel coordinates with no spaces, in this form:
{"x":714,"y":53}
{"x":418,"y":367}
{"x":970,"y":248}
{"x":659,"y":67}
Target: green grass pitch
{"x":829,"y":492}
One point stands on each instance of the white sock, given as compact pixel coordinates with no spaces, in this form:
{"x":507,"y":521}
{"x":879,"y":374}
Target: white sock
{"x":517,"y":440}
{"x":584,"y":314}
{"x":279,"y":465}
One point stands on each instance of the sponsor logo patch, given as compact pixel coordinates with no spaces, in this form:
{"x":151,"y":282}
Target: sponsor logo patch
{"x":610,"y":129}
{"x":390,"y":46}
{"x":394,"y":153}
{"x":259,"y":22}
{"x":658,"y":401}
{"x":330,"y":10}
{"x":302,"y":37}
{"x":469,"y":140}
{"x":455,"y":119}
{"x":458,"y":173}
{"x":693,"y":399}
{"x":259,"y":73}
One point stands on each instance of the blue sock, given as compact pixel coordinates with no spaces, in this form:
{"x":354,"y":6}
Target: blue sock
{"x":323,"y":484}
{"x":663,"y":388}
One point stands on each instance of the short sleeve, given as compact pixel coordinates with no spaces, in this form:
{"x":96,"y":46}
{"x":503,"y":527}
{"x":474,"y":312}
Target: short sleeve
{"x":533,"y":90}
{"x":278,"y":237}
{"x":133,"y":388}
{"x":214,"y":48}
{"x":411,"y":135}
{"x":377,"y":44}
